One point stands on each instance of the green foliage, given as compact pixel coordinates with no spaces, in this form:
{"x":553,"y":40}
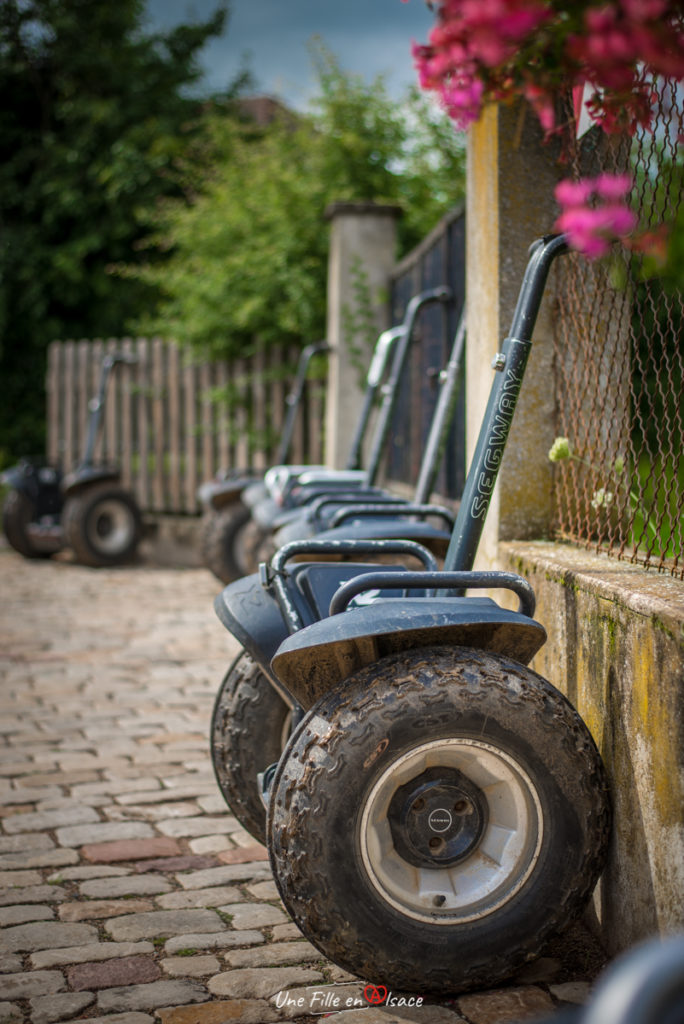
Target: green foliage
{"x":96,"y":125}
{"x":248,"y":252}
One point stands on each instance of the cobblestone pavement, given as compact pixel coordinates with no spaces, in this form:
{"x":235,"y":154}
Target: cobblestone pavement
{"x":128,"y":892}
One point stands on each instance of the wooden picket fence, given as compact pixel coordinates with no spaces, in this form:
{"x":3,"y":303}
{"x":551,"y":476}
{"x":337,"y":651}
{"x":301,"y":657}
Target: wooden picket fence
{"x":164,"y":424}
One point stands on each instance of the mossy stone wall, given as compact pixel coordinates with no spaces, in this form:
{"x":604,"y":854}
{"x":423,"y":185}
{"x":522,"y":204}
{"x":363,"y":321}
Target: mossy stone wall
{"x":616,"y":649}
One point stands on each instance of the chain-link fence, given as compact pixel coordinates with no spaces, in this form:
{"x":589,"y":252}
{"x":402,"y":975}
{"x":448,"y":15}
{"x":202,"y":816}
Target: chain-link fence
{"x":620,"y":357}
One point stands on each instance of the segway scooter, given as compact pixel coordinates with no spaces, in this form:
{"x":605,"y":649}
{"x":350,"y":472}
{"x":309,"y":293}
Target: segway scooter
{"x":290,"y":491}
{"x":87,"y":509}
{"x":225,"y":515}
{"x":440,"y":810}
{"x":230,"y":536}
{"x":263,"y":499}
{"x":333,"y":518}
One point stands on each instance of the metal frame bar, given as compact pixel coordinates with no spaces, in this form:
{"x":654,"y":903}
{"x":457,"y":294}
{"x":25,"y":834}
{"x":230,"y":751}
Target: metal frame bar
{"x":510,"y":364}
{"x":96,"y":405}
{"x":436,"y":581}
{"x":294,"y":397}
{"x":274,"y":576}
{"x":390,"y":388}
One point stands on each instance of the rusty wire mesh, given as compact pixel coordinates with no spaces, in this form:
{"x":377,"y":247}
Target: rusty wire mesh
{"x":619,"y":361}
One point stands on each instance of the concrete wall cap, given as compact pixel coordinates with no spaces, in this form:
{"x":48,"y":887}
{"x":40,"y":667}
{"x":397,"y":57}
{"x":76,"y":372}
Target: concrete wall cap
{"x":341,"y":208}
{"x":647,"y":592}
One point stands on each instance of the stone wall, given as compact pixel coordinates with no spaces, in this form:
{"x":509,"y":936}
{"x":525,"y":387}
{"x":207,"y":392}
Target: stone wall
{"x":616,"y":649}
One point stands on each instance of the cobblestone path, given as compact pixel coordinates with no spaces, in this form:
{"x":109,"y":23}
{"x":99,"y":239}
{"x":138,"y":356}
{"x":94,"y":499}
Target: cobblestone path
{"x":128,"y":892}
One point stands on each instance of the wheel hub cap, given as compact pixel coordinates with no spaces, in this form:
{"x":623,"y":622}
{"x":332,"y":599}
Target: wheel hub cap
{"x":438,"y":818}
{"x":489,"y":850}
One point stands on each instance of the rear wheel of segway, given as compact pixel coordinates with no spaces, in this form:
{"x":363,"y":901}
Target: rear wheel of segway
{"x":249,"y":729}
{"x":17,"y":512}
{"x":222,"y":540}
{"x":102,"y":524}
{"x":436,"y":818}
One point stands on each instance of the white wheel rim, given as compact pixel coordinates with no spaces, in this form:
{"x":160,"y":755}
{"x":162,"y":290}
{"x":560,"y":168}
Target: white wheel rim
{"x":110,"y":527}
{"x":495,"y":870}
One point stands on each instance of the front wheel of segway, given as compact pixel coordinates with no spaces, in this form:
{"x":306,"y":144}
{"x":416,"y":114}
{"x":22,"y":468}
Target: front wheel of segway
{"x":221,"y":542}
{"x":436,"y":818}
{"x":102,"y":524}
{"x":17,"y":512}
{"x":249,"y":728}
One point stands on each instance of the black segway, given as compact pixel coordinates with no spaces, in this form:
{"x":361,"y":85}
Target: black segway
{"x":87,"y":509}
{"x":251,"y":719}
{"x":246,"y":512}
{"x":333,"y":518}
{"x":440,"y":810}
{"x":290,"y":491}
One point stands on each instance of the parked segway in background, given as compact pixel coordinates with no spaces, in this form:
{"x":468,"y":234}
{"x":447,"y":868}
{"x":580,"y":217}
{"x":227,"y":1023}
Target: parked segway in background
{"x":246,"y":512}
{"x":334,"y":518}
{"x":223,"y":544}
{"x":440,"y":810}
{"x":290,"y":491}
{"x":87,"y":509}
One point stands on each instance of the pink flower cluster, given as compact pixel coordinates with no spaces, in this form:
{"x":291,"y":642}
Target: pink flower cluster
{"x":595,"y":212}
{"x":483,"y":50}
{"x":469,"y":35}
{"x":618,"y":41}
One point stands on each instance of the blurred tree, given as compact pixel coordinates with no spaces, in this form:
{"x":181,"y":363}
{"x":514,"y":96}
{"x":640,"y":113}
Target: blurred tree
{"x":248,"y":251}
{"x":95,"y":124}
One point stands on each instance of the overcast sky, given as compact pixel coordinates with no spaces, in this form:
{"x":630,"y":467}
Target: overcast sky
{"x":368,"y":37}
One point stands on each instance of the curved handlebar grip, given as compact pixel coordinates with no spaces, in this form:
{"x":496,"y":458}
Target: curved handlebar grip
{"x":327,"y":547}
{"x":436,"y":581}
{"x":393,"y":510}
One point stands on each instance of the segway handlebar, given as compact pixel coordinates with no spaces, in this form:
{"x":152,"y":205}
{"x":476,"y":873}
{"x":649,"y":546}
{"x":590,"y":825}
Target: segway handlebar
{"x":95,"y":404}
{"x":294,"y":397}
{"x":273,"y":575}
{"x":396,"y":509}
{"x":391,"y":386}
{"x":381,"y":353}
{"x":437,"y":581}
{"x":361,"y":496}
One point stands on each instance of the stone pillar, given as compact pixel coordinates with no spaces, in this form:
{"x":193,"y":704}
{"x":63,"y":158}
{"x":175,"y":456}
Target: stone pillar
{"x":363,"y":242}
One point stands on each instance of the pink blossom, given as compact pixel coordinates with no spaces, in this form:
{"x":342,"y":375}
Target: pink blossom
{"x":600,"y":19}
{"x":615,"y":220}
{"x":503,"y":46}
{"x":592,"y":228}
{"x":463,"y":101}
{"x":611,"y":186}
{"x":573,"y":193}
{"x":583,"y":232}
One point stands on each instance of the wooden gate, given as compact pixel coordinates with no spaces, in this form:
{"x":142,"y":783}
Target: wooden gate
{"x":171,"y":424}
